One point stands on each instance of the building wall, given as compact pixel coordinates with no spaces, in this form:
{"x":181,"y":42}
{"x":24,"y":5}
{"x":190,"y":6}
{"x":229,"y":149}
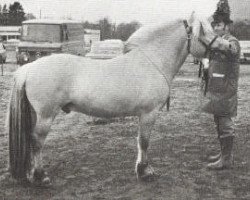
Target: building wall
{"x":9,"y":32}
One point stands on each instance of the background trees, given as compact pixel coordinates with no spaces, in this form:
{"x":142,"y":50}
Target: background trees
{"x":111,"y":30}
{"x":124,"y":30}
{"x":106,"y":28}
{"x":16,"y":14}
{"x":12,"y":15}
{"x":241,"y":29}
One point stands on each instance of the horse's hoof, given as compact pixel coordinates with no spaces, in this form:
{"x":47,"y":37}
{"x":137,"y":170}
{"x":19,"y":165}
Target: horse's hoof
{"x":42,"y":183}
{"x":145,"y":172}
{"x":40,"y":178}
{"x":7,"y":177}
{"x":148,"y":178}
{"x":46,"y":181}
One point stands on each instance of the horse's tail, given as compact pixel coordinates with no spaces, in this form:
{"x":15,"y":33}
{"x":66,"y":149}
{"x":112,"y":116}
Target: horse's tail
{"x":19,"y":125}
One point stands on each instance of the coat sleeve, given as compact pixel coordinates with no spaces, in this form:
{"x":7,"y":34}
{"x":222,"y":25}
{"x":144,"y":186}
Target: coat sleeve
{"x":234,"y":47}
{"x":229,"y":46}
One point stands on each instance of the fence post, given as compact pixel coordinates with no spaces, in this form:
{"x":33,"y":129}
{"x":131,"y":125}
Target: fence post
{"x":2,"y":66}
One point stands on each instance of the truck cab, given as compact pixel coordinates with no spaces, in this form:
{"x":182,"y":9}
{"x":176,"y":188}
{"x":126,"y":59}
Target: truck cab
{"x":44,"y":37}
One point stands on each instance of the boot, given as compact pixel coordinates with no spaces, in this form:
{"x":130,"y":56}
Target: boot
{"x":214,"y":158}
{"x":226,"y":159}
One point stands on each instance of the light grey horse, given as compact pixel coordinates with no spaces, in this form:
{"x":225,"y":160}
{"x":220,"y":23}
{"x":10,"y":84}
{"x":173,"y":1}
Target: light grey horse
{"x":134,"y":84}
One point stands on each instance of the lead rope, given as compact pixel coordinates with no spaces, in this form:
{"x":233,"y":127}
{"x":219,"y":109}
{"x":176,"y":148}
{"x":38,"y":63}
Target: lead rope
{"x":200,"y":84}
{"x":203,"y":83}
{"x":189,"y":30}
{"x":167,"y":102}
{"x":200,"y":87}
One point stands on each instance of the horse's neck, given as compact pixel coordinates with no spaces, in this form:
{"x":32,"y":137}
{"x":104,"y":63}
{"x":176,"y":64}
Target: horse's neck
{"x":170,"y":59}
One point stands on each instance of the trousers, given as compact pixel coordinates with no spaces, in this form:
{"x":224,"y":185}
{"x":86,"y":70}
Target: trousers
{"x":224,"y":126}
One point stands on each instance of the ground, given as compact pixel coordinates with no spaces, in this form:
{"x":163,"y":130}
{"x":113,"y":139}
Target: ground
{"x":90,"y":161}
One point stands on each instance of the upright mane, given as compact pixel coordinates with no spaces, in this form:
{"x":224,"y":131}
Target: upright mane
{"x":148,"y":33}
{"x":206,"y":25}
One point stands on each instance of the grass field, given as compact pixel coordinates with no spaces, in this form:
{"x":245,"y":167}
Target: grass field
{"x":88,"y":161}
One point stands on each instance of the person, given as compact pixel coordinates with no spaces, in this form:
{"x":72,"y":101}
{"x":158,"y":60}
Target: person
{"x":222,"y":86}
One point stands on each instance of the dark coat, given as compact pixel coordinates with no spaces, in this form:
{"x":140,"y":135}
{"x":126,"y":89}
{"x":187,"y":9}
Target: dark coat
{"x":223,"y":80}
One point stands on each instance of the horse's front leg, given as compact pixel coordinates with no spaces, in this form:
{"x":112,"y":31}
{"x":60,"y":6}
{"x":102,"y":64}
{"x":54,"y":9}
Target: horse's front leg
{"x":143,"y":170}
{"x":41,"y":129}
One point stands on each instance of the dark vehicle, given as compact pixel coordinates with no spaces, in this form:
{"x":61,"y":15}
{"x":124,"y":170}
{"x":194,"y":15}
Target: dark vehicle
{"x":44,"y":37}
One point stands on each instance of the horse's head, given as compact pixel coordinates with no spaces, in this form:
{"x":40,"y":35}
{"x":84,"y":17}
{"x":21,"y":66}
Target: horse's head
{"x":202,"y":37}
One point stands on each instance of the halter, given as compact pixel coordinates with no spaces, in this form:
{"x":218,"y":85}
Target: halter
{"x":205,"y":76}
{"x":208,"y":47}
{"x":189,"y":30}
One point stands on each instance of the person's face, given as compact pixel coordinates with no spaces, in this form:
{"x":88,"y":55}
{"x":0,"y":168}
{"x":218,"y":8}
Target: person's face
{"x":220,"y":28}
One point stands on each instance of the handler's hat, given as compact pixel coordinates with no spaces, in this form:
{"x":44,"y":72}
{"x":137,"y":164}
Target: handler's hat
{"x":222,"y":13}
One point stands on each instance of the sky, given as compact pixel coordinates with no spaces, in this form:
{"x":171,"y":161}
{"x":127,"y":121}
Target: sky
{"x":118,"y":11}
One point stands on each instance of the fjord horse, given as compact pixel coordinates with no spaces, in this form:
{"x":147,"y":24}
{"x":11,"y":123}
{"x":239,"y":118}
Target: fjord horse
{"x":133,"y":84}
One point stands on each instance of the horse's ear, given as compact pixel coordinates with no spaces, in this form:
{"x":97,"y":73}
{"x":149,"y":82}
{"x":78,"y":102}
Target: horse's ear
{"x":192,"y":18}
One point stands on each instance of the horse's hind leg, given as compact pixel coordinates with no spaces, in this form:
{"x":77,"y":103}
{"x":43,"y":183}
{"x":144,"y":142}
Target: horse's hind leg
{"x":143,"y":170}
{"x":40,"y":132}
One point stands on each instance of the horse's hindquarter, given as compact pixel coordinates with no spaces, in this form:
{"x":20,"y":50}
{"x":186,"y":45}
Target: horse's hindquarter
{"x":126,"y":85}
{"x":49,"y":81}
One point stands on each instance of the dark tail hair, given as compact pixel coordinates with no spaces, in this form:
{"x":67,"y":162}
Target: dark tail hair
{"x":19,"y":128}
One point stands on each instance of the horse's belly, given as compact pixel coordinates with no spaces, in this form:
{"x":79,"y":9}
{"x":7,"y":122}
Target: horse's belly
{"x":102,"y":111}
{"x":103,"y":99}
{"x":111,"y":106}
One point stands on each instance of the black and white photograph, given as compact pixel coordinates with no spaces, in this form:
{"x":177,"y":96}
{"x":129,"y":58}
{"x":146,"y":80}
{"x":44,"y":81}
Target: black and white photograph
{"x":125,"y":99}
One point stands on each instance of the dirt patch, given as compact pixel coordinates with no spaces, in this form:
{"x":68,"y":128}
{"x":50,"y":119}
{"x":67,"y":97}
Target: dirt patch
{"x":96,"y":161}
